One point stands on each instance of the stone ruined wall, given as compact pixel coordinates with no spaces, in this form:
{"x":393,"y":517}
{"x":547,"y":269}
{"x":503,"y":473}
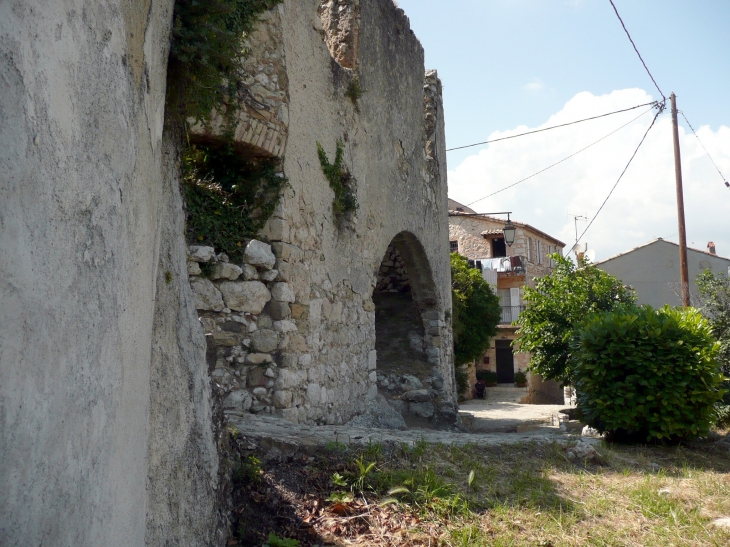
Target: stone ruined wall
{"x":341,"y":26}
{"x":392,"y":275}
{"x":324,"y":367}
{"x":262,"y":105}
{"x":106,"y":428}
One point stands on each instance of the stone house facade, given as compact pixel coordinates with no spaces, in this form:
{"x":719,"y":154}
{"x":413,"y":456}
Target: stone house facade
{"x":509,"y":270}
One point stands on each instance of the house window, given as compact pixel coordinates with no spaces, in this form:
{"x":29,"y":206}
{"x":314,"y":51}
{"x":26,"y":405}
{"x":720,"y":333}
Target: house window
{"x":454,"y":246}
{"x":499,"y":248}
{"x":529,"y":249}
{"x":550,"y":260}
{"x":539,"y":251}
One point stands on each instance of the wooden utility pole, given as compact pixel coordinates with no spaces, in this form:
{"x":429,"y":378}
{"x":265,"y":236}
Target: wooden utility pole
{"x":680,"y":208}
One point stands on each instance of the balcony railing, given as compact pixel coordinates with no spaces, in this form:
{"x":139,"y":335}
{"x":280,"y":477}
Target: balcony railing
{"x":510,"y":314}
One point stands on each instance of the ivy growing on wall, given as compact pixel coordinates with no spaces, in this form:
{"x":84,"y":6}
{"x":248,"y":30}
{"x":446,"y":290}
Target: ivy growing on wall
{"x":228,"y":198}
{"x":340,"y":180}
{"x":204,"y":67}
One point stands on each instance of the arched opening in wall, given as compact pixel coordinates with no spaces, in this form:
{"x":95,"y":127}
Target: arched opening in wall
{"x":408,"y":334}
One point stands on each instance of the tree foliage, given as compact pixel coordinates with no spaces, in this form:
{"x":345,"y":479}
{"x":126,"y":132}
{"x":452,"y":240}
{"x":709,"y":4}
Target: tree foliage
{"x":476,"y":311}
{"x":715,"y":291}
{"x":556,"y":305}
{"x":645,"y":374}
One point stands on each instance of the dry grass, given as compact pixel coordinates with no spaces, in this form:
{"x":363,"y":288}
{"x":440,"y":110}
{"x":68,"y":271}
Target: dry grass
{"x":520,"y":495}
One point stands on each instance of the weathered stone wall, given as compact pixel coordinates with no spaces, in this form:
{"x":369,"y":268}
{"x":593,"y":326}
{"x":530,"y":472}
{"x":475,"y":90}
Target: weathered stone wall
{"x":324,"y":367}
{"x":106,"y":434}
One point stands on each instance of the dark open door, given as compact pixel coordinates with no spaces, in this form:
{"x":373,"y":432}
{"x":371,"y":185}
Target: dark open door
{"x":505,"y":362}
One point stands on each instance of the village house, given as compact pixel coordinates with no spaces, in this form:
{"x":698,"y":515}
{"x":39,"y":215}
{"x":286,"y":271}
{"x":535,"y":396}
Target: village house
{"x":509,"y":269}
{"x":652,"y":270}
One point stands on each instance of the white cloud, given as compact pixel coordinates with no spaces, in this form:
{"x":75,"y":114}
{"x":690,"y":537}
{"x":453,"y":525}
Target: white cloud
{"x":642,"y":207}
{"x":535,"y":85}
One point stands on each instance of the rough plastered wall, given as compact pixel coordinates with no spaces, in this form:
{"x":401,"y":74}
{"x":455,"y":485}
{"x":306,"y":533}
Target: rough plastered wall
{"x":105,"y":423}
{"x":315,"y":341}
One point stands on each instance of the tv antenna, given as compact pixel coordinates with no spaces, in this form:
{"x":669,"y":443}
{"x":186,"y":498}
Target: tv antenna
{"x":576,"y":218}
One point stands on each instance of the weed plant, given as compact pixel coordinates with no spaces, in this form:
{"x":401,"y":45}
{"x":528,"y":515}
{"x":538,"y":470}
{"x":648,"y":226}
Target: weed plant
{"x":340,"y":180}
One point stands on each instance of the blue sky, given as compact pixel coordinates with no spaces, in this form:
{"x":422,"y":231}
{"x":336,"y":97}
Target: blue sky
{"x":516,"y":63}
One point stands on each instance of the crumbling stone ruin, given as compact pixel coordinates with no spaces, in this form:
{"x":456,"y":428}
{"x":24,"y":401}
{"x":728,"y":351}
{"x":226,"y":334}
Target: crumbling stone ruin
{"x":115,"y":344}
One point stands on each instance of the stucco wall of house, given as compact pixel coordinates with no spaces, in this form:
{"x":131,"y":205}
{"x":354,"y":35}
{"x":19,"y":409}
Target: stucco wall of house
{"x":653,"y":271}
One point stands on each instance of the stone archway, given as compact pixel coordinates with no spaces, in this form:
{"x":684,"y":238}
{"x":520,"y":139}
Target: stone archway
{"x":408,"y":331}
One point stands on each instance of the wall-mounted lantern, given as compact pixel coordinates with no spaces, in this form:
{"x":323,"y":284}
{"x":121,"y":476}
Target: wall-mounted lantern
{"x":509,"y":231}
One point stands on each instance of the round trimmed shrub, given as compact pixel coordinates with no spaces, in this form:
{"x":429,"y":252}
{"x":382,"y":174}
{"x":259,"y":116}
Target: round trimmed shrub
{"x":644,"y":374}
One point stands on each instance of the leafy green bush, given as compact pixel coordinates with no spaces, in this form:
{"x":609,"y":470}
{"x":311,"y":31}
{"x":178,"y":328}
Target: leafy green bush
{"x":228,"y":198}
{"x":556,"y":305}
{"x":204,"y":68}
{"x":644,"y":374}
{"x":476,"y":311}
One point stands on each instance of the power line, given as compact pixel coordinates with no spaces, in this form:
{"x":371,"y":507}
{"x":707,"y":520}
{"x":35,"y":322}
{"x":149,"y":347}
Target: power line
{"x":637,"y":51}
{"x":654,"y":103}
{"x":561,"y":161}
{"x":705,"y":149}
{"x":620,"y":176}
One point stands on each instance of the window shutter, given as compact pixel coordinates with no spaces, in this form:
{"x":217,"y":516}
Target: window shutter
{"x":529,"y":249}
{"x":539,"y":251}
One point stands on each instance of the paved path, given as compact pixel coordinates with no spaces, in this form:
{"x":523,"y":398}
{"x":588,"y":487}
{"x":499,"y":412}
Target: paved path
{"x":481,"y":415}
{"x":274,"y":433}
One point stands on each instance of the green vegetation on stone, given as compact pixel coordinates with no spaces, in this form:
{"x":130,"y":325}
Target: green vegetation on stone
{"x":644,"y":375}
{"x":204,"y":69}
{"x":340,"y":180}
{"x":354,"y":92}
{"x":228,"y":198}
{"x":556,"y":305}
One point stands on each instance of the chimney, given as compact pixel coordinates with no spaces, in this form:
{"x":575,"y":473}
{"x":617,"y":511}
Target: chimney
{"x":711,"y":248}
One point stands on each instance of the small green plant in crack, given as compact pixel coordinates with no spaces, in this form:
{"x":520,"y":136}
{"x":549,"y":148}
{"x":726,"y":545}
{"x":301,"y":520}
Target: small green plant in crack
{"x":354,"y":92}
{"x":340,"y":180}
{"x":249,"y":472}
{"x":168,"y":277}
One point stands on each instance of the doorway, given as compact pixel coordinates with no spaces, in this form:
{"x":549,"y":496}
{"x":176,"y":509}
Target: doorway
{"x":505,"y":362}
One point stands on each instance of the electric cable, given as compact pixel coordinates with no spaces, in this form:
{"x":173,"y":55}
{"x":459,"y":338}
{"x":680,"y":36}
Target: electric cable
{"x":561,"y":161}
{"x":637,"y":50}
{"x":653,"y":103}
{"x":705,"y":149}
{"x":620,"y":176}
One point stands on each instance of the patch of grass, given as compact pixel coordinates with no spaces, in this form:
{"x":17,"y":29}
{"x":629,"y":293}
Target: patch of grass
{"x":228,"y":198}
{"x":340,"y":180}
{"x":526,"y":494}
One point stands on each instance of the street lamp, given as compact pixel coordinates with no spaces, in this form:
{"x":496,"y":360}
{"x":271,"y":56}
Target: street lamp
{"x":509,"y":231}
